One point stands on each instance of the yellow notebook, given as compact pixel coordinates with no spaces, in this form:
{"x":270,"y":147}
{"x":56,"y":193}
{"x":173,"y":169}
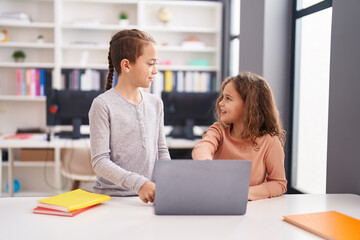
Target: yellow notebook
{"x":328,"y":225}
{"x":72,"y":200}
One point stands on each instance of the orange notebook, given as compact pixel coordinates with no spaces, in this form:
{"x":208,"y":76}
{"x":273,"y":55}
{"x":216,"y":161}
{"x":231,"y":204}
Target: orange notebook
{"x":328,"y":225}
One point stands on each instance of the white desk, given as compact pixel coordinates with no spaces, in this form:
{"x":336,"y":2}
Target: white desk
{"x":57,"y":145}
{"x":129,"y":218}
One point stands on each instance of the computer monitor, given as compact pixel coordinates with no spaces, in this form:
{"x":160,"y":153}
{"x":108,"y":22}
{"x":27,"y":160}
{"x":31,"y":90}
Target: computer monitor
{"x":69,"y":107}
{"x":184,"y":110}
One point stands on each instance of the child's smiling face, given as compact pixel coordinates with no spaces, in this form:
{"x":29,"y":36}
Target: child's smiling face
{"x":231,"y":105}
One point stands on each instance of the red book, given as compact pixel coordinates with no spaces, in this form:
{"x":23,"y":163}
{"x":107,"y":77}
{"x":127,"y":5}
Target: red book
{"x":48,"y":211}
{"x":19,"y":82}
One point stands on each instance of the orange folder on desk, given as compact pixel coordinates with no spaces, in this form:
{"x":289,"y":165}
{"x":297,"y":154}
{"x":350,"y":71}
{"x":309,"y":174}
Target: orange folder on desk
{"x":328,"y":225}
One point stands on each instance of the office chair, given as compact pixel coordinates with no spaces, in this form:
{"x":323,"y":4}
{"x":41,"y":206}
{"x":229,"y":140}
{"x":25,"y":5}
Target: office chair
{"x":76,"y":165}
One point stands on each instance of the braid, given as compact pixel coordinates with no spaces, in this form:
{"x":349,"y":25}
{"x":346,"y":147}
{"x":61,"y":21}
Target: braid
{"x":110,"y":75}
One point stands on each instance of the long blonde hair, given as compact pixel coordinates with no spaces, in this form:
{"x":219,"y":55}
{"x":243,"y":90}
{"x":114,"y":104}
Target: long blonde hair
{"x":260,"y":114}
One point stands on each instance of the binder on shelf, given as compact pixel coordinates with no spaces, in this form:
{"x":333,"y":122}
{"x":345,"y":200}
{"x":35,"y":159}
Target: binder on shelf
{"x":206,"y":82}
{"x":188,"y":82}
{"x":85,"y":80}
{"x":169,"y":81}
{"x":180,"y":86}
{"x":90,"y":80}
{"x":197,"y":80}
{"x":157,"y":85}
{"x":183,"y":81}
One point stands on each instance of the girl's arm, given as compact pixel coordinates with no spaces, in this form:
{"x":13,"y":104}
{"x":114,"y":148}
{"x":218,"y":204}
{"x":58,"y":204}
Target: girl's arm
{"x":103,"y":166}
{"x":275,"y":184}
{"x":206,"y":148}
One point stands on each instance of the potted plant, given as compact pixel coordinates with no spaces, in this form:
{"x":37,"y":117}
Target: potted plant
{"x":19,"y":56}
{"x":40,"y":39}
{"x":123,"y":19}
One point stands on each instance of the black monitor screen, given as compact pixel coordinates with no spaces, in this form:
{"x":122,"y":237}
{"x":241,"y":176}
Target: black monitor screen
{"x":184,"y":110}
{"x":69,"y":107}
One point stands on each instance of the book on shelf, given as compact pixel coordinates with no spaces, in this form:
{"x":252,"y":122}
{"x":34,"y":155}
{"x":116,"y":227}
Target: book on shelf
{"x":169,"y":82}
{"x":73,"y":200}
{"x":157,"y":86}
{"x":183,"y":81}
{"x":328,"y":225}
{"x":84,"y":80}
{"x":31,"y":81}
{"x":48,"y":211}
{"x":15,"y":17}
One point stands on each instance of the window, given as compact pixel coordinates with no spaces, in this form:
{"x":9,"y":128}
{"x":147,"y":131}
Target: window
{"x":302,"y":4}
{"x":311,"y":96}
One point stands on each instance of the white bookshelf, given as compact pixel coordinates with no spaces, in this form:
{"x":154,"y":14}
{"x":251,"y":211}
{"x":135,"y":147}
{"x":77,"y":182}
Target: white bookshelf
{"x":72,"y":28}
{"x":30,"y":164}
{"x":34,"y":25}
{"x":22,"y":98}
{"x":28,"y":45}
{"x":26,"y":65}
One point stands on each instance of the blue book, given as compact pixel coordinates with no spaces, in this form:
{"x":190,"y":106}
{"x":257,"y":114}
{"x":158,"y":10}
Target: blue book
{"x":23,"y":82}
{"x":42,"y":82}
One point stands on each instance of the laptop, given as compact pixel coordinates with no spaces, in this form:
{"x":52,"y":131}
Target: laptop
{"x":188,"y":187}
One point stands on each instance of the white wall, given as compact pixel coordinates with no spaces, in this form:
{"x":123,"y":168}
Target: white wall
{"x":343,"y":166}
{"x":252,"y":36}
{"x":265,"y":48}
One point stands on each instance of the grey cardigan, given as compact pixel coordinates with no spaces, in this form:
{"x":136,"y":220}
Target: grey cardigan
{"x":126,"y":140}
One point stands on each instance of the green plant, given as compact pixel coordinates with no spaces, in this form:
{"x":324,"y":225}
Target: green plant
{"x":123,"y":15}
{"x":18,"y":54}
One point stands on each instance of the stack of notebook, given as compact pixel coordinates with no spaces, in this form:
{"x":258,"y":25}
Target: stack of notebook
{"x":69,"y":204}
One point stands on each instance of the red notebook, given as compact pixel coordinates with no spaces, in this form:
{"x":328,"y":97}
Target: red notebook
{"x":41,"y":210}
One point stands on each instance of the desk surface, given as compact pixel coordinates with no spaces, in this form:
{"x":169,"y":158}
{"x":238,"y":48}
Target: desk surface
{"x":174,"y":143}
{"x":129,"y":218}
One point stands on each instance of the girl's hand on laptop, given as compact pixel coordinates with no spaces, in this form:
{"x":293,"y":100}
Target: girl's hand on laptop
{"x":147,"y":192}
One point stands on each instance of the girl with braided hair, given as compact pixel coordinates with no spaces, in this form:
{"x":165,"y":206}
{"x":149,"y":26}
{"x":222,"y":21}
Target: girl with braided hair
{"x":248,"y":128}
{"x":126,"y":125}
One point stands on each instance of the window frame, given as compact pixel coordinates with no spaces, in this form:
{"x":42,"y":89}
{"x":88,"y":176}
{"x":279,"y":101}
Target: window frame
{"x":297,"y":14}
